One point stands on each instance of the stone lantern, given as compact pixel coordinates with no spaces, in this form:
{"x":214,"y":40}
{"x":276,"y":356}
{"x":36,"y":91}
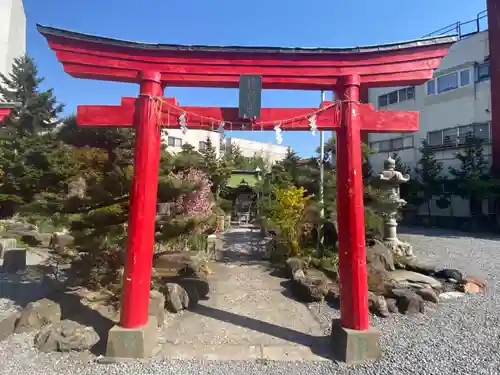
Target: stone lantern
{"x":388,"y":207}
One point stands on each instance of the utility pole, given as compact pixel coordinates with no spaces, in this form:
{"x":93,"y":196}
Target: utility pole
{"x":321,"y":183}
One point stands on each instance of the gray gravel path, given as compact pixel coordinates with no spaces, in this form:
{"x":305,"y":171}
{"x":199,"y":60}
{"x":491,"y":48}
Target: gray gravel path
{"x":458,"y":337}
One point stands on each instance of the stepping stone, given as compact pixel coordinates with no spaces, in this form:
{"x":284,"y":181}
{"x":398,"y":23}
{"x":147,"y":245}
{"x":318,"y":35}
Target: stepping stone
{"x":14,"y":260}
{"x":403,"y":275}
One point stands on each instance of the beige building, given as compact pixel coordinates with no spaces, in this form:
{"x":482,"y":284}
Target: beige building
{"x":271,"y":153}
{"x":12,"y":33}
{"x":455,"y":104}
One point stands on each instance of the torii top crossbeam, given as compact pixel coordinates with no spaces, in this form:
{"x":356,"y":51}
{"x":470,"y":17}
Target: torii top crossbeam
{"x":397,"y":64}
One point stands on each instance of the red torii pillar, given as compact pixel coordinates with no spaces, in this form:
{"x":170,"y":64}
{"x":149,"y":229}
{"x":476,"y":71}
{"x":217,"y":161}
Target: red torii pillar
{"x":344,"y":71}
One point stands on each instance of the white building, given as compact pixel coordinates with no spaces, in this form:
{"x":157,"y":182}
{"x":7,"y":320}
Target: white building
{"x":12,"y":33}
{"x":455,"y":104}
{"x":271,"y":153}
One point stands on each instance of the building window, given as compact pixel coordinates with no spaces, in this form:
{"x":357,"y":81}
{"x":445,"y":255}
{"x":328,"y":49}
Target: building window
{"x":483,"y":71}
{"x":202,"y":146}
{"x":174,"y":142}
{"x":222,"y":146}
{"x":394,"y":144}
{"x":449,"y":82}
{"x":457,"y":136}
{"x":431,"y":87}
{"x":396,"y":96}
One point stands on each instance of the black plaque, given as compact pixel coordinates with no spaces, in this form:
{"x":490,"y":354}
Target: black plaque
{"x":250,"y":96}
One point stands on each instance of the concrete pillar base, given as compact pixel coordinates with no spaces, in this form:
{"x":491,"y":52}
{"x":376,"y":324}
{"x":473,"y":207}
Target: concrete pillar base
{"x":351,"y":346}
{"x":133,"y":342}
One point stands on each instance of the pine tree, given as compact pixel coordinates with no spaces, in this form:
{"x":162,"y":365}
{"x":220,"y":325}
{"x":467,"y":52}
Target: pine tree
{"x":32,"y":161}
{"x":428,"y":173}
{"x":217,"y":168}
{"x":99,"y":216}
{"x":470,"y":179}
{"x":39,"y":109}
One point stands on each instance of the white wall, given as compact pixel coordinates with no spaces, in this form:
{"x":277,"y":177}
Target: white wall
{"x":461,"y":106}
{"x":270,"y":153}
{"x":12,"y":33}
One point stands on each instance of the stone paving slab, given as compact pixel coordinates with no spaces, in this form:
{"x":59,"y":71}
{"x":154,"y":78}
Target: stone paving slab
{"x":247,"y":309}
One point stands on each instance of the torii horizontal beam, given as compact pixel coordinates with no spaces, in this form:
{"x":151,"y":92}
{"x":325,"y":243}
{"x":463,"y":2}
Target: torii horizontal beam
{"x":387,"y":65}
{"x":373,"y":121}
{"x":6,"y":109}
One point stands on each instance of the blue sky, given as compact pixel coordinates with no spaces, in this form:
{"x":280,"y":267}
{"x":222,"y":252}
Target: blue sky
{"x":294,"y":23}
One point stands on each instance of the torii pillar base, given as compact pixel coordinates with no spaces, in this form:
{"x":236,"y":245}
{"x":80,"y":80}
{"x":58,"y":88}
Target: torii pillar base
{"x":129,"y":343}
{"x":353,"y":346}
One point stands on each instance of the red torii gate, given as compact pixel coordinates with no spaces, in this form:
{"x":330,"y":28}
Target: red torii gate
{"x":345,"y":71}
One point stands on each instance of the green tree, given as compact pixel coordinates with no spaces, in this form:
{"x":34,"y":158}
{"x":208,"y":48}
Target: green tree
{"x":219,"y":169}
{"x":32,"y":161}
{"x":428,"y":174}
{"x":470,"y":178}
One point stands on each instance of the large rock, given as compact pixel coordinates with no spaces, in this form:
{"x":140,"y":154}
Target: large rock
{"x":415,"y":265}
{"x":414,"y":277}
{"x":408,"y":301}
{"x":449,"y":274}
{"x":37,"y":314}
{"x":187,"y":263}
{"x":201,"y":287}
{"x":156,"y":306}
{"x":176,"y":298}
{"x":60,"y":241}
{"x":380,"y":254}
{"x":294,"y":264}
{"x":311,"y":286}
{"x":378,"y":305}
{"x":379,"y":281}
{"x":65,"y":336}
{"x":428,"y":294}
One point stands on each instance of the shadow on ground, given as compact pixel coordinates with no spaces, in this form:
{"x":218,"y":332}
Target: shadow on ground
{"x":319,"y":345}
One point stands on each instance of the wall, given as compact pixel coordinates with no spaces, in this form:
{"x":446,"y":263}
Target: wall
{"x":270,"y":153}
{"x":12,"y":33}
{"x":461,"y":106}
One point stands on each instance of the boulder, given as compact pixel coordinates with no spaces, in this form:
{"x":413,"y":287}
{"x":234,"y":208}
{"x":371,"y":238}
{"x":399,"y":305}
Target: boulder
{"x":428,"y":294}
{"x":176,"y":298}
{"x":379,"y":281}
{"x":294,"y":264}
{"x":65,"y":336}
{"x":378,"y":305}
{"x":392,"y":305}
{"x":311,"y":286}
{"x":475,"y":280}
{"x":60,"y":241}
{"x":157,"y":307}
{"x":379,"y":253}
{"x":415,"y":265}
{"x":408,"y":302}
{"x":449,"y":273}
{"x":470,"y":288}
{"x":187,"y":263}
{"x":451,"y":295}
{"x":333,"y":294}
{"x":37,"y":314}
{"x":201,"y":287}
{"x":414,"y":277}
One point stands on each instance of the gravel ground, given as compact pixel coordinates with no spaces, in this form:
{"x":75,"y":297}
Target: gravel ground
{"x":457,"y":337}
